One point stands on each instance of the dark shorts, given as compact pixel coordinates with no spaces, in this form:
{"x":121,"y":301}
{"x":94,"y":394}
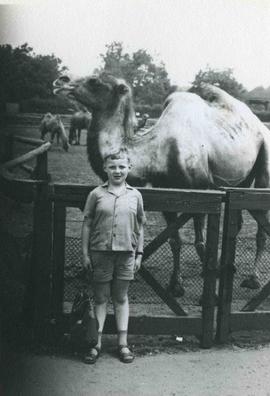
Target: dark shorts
{"x":112,"y":265}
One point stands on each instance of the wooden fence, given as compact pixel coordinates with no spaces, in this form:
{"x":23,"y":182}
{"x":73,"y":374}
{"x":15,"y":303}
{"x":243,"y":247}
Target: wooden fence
{"x":186,"y":201}
{"x":48,"y":253}
{"x":237,"y":199}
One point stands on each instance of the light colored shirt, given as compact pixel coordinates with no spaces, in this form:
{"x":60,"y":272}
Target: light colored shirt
{"x":116,"y":220}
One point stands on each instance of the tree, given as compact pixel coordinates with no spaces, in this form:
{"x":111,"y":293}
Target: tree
{"x":24,"y":75}
{"x":222,"y":78}
{"x":149,"y":81}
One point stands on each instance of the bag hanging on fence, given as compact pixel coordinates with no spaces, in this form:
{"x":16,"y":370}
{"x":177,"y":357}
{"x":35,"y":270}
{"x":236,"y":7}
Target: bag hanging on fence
{"x":84,"y":324}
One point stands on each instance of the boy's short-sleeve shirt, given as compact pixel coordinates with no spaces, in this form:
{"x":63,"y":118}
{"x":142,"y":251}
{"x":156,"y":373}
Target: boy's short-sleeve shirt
{"x":116,"y":220}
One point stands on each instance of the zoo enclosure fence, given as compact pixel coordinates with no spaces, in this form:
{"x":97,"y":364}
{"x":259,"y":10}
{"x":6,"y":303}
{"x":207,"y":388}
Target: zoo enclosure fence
{"x":49,"y":220}
{"x":188,"y":202}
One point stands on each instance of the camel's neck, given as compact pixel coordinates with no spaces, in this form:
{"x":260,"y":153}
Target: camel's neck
{"x":106,"y":135}
{"x":111,"y":135}
{"x":94,"y":156}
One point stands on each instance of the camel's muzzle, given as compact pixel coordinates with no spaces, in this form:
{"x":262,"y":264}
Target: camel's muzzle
{"x":63,"y":83}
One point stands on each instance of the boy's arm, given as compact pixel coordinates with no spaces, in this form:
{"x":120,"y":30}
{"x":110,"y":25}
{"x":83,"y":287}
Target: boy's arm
{"x":139,"y":250}
{"x":140,"y":240}
{"x":141,"y":219}
{"x":86,"y":229}
{"x":89,"y":210}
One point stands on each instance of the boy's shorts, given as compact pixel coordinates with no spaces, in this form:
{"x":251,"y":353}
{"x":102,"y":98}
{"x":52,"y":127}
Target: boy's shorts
{"x":112,"y":265}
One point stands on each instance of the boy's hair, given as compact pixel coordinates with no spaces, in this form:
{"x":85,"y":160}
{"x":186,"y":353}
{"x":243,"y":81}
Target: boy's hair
{"x":121,"y":153}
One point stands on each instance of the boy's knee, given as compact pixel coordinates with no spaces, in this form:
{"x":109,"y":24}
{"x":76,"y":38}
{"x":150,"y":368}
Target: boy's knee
{"x":120,"y":299}
{"x":101,"y":299}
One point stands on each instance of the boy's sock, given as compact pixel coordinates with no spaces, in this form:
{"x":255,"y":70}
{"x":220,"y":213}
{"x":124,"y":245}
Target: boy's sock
{"x":99,"y":339}
{"x":122,"y":337}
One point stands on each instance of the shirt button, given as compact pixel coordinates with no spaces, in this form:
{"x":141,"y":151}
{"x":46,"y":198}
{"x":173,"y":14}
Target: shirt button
{"x":114,"y":235}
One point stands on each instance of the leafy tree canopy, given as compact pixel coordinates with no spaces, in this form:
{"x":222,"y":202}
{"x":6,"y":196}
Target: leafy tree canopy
{"x":149,"y":81}
{"x":222,"y":78}
{"x":24,"y":75}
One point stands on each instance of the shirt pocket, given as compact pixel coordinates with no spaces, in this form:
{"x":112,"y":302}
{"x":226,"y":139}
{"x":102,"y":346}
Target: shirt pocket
{"x":132,"y":204}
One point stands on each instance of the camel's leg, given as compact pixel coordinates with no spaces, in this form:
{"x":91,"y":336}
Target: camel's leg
{"x":71,"y":135}
{"x":262,"y":180}
{"x":77,"y":134}
{"x":199,"y":225}
{"x":252,"y":280}
{"x":52,"y":136}
{"x":260,"y":245}
{"x":239,"y":227}
{"x":42,"y":132}
{"x":176,"y":282}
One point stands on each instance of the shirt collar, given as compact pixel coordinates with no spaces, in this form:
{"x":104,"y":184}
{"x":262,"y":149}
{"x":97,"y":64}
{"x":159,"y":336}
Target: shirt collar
{"x":105,"y":185}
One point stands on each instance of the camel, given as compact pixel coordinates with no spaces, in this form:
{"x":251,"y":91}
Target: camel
{"x":53,"y":125}
{"x":80,"y":120}
{"x":199,"y":142}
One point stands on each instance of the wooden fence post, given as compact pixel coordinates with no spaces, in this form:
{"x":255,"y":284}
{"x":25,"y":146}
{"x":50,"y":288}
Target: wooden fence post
{"x":42,"y":248}
{"x":230,"y":231}
{"x":59,"y":226}
{"x":209,"y":285}
{"x":41,"y":259}
{"x":41,"y":168}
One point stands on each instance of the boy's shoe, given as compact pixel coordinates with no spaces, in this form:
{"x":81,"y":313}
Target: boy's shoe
{"x":125,"y":356}
{"x":92,"y":355}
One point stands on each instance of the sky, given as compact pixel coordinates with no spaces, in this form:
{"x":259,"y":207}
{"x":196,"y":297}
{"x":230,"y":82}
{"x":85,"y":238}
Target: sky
{"x":187,"y":35}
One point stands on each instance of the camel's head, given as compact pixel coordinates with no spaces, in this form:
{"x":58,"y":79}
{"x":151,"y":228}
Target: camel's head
{"x":95,"y":92}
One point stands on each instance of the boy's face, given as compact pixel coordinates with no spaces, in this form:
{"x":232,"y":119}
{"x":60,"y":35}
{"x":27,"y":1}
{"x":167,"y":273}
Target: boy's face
{"x":117,"y":170}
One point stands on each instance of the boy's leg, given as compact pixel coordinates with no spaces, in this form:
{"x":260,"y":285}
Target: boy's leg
{"x":121,"y":308}
{"x":101,"y":296}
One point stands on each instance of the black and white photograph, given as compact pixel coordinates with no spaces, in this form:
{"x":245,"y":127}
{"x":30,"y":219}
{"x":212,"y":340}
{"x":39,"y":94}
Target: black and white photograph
{"x":134,"y":197}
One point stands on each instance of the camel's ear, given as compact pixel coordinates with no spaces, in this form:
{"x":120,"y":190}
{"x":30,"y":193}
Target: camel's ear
{"x":122,"y":89}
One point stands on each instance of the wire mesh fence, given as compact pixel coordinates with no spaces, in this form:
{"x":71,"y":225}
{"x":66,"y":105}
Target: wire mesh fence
{"x":244,"y":264}
{"x":160,"y":264}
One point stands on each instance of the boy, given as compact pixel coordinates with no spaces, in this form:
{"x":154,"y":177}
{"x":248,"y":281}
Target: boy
{"x":113,"y":222}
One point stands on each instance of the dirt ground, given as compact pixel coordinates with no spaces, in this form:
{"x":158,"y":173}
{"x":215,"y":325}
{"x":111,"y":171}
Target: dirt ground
{"x":162,"y":367}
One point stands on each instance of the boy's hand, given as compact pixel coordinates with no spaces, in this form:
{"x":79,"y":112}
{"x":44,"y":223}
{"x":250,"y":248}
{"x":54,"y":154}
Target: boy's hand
{"x":87,"y":265}
{"x":138,"y":262}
